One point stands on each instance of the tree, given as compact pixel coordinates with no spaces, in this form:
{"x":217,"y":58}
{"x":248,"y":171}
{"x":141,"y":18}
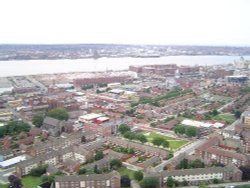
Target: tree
{"x":150,"y":182}
{"x":215,"y":112}
{"x":37,"y":120}
{"x":83,"y":139}
{"x":123,"y":128}
{"x":115,"y":164}
{"x":99,"y":155}
{"x":216,"y":181}
{"x":184,"y":164}
{"x":38,"y":171}
{"x":197,"y":164}
{"x":142,"y":138}
{"x":170,"y":182}
{"x":179,"y":129}
{"x":15,"y":182}
{"x":46,"y":178}
{"x":129,"y":135}
{"x":13,"y":128}
{"x":58,"y":113}
{"x":237,"y":114}
{"x":96,"y":170}
{"x":82,"y":171}
{"x":191,"y":131}
{"x":157,"y":141}
{"x":125,"y":181}
{"x":138,"y":175}
{"x":165,"y":144}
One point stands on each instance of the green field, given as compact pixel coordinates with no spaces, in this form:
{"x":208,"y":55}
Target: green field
{"x":31,"y":182}
{"x":4,"y":186}
{"x":125,"y":171}
{"x":228,"y":118}
{"x":173,"y":142}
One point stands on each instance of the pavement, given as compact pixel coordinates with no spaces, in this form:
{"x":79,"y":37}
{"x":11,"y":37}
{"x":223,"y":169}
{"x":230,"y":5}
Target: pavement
{"x":4,"y":173}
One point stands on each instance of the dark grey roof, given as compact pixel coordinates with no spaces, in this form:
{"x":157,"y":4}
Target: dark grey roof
{"x":87,"y":177}
{"x":51,"y":121}
{"x":197,"y":171}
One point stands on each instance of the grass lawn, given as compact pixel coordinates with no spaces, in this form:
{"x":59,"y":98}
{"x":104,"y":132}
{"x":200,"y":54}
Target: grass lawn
{"x":4,"y":186}
{"x":228,"y":118}
{"x":125,"y":171}
{"x":173,"y":142}
{"x":31,"y":182}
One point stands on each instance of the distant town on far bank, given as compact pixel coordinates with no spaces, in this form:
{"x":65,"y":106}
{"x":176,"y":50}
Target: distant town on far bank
{"x":80,"y":51}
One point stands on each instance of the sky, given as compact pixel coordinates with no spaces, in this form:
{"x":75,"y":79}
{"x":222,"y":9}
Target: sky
{"x":165,"y":22}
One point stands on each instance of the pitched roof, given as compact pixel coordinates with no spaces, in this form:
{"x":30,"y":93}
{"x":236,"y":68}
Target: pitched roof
{"x":51,"y":121}
{"x":91,"y":177}
{"x":222,"y":152}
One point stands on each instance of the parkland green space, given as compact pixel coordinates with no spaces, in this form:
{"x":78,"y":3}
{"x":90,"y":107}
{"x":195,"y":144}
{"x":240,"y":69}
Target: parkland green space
{"x":173,"y":142}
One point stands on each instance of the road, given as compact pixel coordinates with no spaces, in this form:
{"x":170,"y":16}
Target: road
{"x":5,"y":173}
{"x":188,"y":149}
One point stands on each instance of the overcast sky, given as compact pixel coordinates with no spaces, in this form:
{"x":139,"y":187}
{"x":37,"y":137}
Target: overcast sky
{"x":200,"y":22}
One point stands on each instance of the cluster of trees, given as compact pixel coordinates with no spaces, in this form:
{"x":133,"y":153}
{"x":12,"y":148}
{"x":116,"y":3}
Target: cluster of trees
{"x":37,"y":120}
{"x":57,"y":113}
{"x":99,"y":155}
{"x":187,"y":130}
{"x":158,"y":141}
{"x":147,"y":182}
{"x":126,"y":132}
{"x":38,"y":171}
{"x":185,"y":164}
{"x":138,"y":175}
{"x":211,"y":114}
{"x":237,"y":114}
{"x":115,"y":164}
{"x":14,"y":128}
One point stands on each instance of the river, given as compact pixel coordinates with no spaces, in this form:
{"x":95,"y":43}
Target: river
{"x":33,"y":67}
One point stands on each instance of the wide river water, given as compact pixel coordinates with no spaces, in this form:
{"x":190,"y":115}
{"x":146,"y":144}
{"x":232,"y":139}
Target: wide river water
{"x":33,"y":67}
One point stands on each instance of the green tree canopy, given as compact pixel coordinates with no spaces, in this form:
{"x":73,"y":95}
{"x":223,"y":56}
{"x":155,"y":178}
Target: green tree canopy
{"x":38,"y":171}
{"x":157,"y":141}
{"x":99,"y":155}
{"x":170,"y":182}
{"x":237,"y":114}
{"x":129,"y":135}
{"x":82,"y":171}
{"x":180,"y":129}
{"x":123,"y":128}
{"x":191,"y":131}
{"x":142,"y":138}
{"x":165,"y":144}
{"x":58,"y":113}
{"x":150,"y":182}
{"x":37,"y":120}
{"x":13,"y":128}
{"x":115,"y":164}
{"x":138,"y":175}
